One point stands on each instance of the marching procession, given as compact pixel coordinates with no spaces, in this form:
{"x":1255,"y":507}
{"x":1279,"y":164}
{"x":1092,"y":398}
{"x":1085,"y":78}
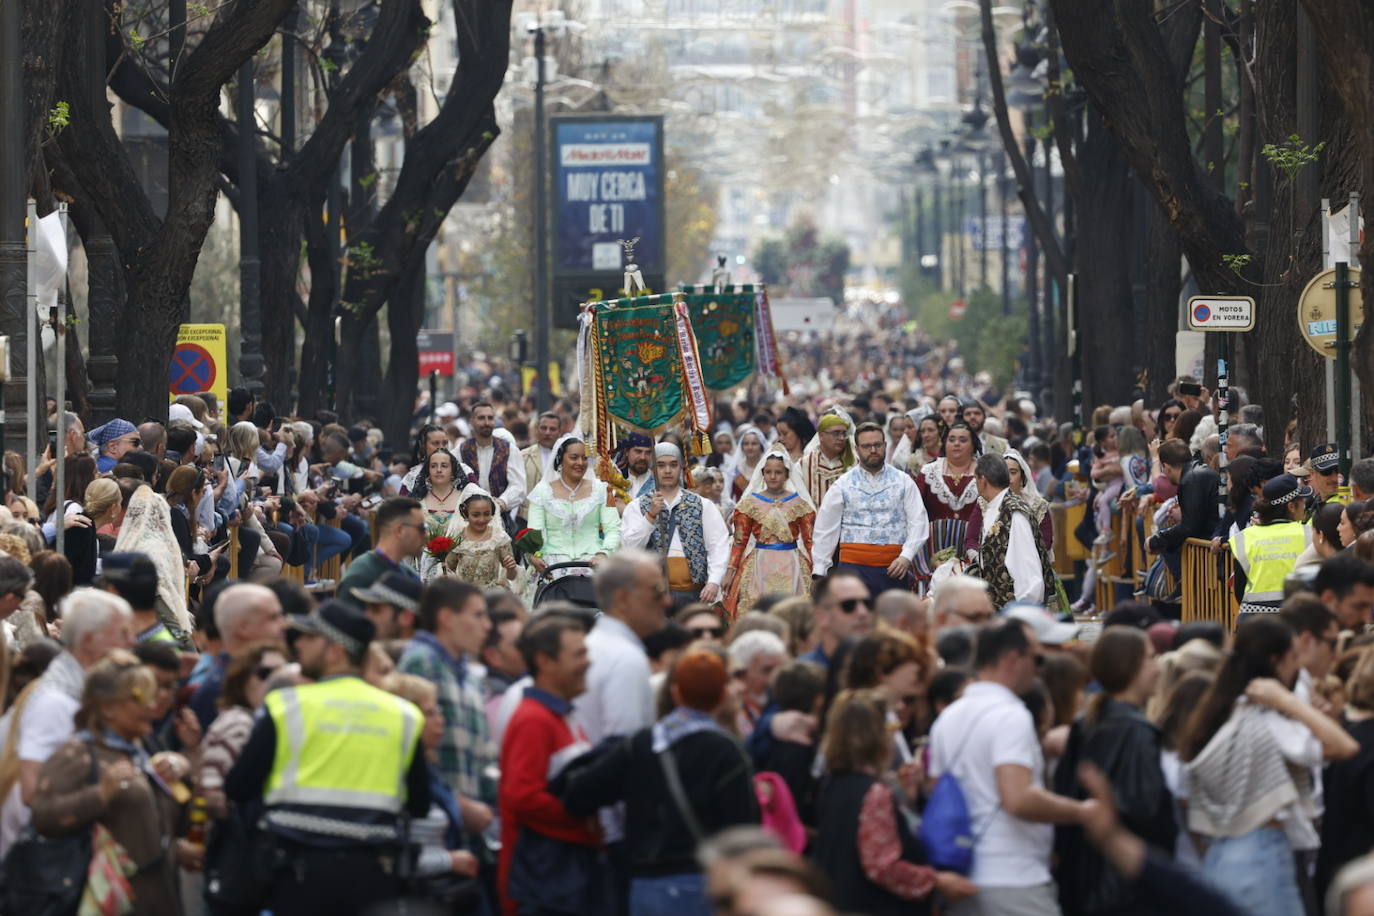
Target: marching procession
{"x":705,"y":637}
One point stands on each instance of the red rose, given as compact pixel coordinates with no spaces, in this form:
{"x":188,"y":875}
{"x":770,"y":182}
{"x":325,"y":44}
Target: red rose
{"x":440,"y":546}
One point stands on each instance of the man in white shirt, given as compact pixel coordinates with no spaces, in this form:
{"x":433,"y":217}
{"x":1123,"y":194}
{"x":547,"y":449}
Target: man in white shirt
{"x":633,"y":598}
{"x":538,"y":455}
{"x":1011,"y":558}
{"x":499,"y":465}
{"x":987,"y":739}
{"x":684,"y":529}
{"x":875,"y":515}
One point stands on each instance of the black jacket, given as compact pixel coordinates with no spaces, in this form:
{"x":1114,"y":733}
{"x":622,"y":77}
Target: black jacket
{"x":716,"y":778}
{"x":1348,"y":825}
{"x":1197,"y":498}
{"x":1125,"y":746}
{"x":836,"y":849}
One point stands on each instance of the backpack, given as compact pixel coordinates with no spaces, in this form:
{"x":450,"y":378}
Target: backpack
{"x":946,"y":828}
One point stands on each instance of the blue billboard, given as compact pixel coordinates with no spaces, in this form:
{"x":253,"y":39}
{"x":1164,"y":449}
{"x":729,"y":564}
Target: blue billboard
{"x":607,"y":186}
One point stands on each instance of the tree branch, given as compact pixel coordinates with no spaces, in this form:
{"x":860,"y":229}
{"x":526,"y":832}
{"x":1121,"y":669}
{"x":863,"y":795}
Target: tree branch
{"x":1121,"y":59}
{"x":1040,"y":223}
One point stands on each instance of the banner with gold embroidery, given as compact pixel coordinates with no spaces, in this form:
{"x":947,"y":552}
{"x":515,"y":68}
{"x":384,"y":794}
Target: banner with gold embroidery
{"x":724,"y":323}
{"x":640,"y":369}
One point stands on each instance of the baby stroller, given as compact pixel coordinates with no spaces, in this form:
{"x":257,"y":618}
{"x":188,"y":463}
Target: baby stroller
{"x":575,"y":587}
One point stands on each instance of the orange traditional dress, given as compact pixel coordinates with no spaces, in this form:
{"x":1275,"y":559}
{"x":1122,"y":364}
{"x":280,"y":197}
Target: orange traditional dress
{"x":772,"y":549}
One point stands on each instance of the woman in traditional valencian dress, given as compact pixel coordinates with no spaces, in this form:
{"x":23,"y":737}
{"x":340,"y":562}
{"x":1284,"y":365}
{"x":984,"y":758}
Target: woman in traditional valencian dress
{"x":929,"y":434}
{"x":948,"y":490}
{"x":571,"y":512}
{"x":749,"y":449}
{"x":442,"y":493}
{"x":772,"y":536}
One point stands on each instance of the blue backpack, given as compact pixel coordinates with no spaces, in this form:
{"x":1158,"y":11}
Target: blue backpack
{"x":946,"y":826}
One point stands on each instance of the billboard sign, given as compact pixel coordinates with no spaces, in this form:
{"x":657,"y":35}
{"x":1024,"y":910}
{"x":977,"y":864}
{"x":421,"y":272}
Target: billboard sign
{"x":607,"y":186}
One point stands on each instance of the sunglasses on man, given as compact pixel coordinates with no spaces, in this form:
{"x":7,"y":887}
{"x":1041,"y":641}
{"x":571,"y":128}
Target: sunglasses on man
{"x":707,"y":632}
{"x":850,"y":605}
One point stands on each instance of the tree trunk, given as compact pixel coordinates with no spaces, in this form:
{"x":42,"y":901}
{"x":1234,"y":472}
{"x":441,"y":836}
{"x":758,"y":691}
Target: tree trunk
{"x":405,"y":312}
{"x":1162,"y":289}
{"x":1102,"y":262}
{"x":281,"y":224}
{"x":319,"y":322}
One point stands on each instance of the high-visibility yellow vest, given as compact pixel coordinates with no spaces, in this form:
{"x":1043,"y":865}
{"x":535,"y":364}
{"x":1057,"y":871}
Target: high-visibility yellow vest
{"x":1268,"y":553}
{"x":341,"y":743}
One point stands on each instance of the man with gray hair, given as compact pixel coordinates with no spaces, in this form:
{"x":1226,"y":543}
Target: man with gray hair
{"x":962,"y":600}
{"x":1243,"y":439}
{"x":93,"y":623}
{"x":1011,"y":557}
{"x":244,"y":613}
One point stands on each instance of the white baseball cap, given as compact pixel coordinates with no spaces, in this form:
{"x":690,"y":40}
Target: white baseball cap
{"x":1047,"y":629}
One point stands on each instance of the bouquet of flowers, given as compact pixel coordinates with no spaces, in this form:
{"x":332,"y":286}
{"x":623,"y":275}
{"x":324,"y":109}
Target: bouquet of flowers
{"x":528,"y":540}
{"x":440,"y":547}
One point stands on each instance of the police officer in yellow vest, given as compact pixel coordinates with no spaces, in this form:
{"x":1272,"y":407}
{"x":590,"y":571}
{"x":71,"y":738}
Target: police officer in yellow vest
{"x":337,"y":765}
{"x":1267,"y":552}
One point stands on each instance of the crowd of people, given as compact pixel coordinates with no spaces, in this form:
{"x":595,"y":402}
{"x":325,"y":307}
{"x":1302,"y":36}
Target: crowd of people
{"x":825,"y":666}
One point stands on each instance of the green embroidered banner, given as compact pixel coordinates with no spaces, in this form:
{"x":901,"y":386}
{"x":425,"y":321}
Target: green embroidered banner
{"x":640,"y":363}
{"x":724,"y":324}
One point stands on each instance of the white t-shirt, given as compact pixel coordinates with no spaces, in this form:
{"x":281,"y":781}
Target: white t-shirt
{"x":986,"y":728}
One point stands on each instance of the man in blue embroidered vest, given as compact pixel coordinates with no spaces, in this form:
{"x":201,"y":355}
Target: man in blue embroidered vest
{"x":489,"y":455}
{"x":874,"y":514}
{"x":688,"y":532}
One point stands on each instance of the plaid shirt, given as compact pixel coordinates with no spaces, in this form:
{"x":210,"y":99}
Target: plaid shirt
{"x":467,"y":756}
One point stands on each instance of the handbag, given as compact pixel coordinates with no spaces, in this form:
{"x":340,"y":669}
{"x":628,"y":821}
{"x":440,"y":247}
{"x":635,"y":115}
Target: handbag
{"x":1160,"y":584}
{"x":46,"y":875}
{"x":239,"y":862}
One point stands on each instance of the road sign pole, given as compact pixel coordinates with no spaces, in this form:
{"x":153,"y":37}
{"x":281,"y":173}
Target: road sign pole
{"x":1342,"y":288}
{"x":1223,"y":420}
{"x":434,"y":396}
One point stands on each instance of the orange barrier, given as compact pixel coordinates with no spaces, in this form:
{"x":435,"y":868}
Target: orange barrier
{"x":1207,"y":592}
{"x":233,"y":549}
{"x":1063,"y":533}
{"x":333,"y":567}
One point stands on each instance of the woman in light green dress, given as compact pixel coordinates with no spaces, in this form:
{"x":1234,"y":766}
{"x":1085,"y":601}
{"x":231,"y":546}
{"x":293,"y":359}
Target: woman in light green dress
{"x":572,"y":512}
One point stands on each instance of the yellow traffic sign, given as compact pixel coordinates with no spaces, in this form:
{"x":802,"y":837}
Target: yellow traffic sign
{"x":1317,"y":311}
{"x":199,"y":362}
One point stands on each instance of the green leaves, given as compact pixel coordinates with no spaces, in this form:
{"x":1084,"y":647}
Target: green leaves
{"x":1236,"y":262}
{"x":59,"y":118}
{"x":1292,"y":155}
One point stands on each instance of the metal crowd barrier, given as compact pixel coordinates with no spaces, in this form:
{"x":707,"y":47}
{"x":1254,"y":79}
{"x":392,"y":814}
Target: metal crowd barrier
{"x":1207,"y":592}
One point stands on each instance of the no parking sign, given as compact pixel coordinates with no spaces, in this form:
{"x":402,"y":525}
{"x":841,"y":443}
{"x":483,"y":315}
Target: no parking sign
{"x":198,"y":362}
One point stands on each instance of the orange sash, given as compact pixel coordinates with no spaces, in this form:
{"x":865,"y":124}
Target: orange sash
{"x":680,"y":575}
{"x":870,"y":554}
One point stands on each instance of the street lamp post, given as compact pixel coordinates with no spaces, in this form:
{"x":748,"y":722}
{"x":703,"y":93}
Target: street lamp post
{"x":13,"y":253}
{"x":1003,"y":191}
{"x":250,"y":268}
{"x":542,"y":316}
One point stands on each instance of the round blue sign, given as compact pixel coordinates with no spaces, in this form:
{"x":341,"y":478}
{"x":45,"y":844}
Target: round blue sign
{"x":1201,"y":313}
{"x":192,"y":369}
